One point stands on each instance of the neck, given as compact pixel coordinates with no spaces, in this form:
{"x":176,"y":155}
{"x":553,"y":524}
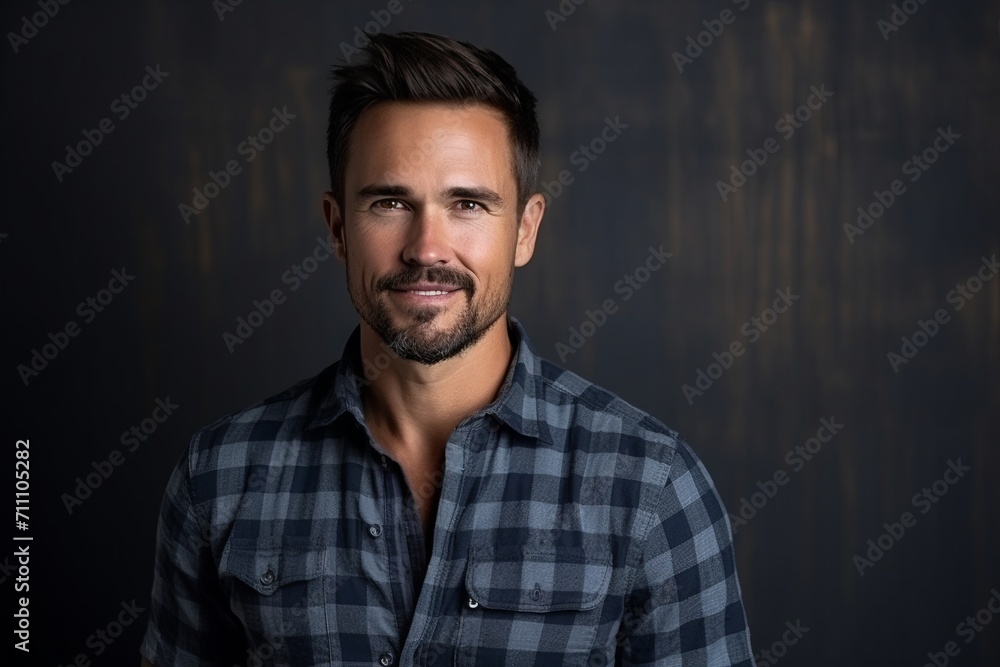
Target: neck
{"x":412,"y":409}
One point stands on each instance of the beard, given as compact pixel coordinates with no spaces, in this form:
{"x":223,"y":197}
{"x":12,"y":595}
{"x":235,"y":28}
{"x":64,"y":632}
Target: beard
{"x":423,"y":341}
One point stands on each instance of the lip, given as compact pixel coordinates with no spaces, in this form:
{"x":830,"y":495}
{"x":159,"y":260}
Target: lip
{"x":426,"y":293}
{"x":427,"y":287}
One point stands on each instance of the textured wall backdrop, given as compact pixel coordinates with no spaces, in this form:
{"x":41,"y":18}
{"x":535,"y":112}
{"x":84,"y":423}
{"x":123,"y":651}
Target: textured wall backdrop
{"x":667,"y":125}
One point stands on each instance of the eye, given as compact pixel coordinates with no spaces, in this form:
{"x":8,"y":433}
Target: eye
{"x":388,"y":205}
{"x":469,"y":206}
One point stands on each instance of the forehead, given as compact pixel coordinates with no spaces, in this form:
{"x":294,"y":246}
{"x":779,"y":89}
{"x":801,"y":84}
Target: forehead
{"x":405,"y":141}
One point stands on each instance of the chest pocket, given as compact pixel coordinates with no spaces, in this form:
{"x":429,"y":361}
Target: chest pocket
{"x":528,"y":606}
{"x":280,"y":596}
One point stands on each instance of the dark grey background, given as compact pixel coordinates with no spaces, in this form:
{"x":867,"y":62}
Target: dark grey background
{"x":656,"y":184}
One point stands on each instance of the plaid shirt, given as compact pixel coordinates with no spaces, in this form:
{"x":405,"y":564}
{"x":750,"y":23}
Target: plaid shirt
{"x":572,"y":529}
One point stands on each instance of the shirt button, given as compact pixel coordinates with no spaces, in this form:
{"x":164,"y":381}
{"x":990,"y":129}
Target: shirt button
{"x":472,"y":603}
{"x":267,"y":578}
{"x":375,"y":530}
{"x":385,"y":659}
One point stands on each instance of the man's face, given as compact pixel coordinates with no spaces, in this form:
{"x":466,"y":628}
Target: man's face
{"x":429,"y":228}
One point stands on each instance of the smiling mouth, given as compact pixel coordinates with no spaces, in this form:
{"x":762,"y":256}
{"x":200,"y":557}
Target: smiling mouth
{"x":428,"y":293}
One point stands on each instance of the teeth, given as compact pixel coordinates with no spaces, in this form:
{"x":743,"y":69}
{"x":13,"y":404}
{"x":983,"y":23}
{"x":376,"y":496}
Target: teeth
{"x":428,"y":293}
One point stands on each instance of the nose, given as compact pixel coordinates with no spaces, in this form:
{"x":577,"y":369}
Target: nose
{"x":426,"y":239}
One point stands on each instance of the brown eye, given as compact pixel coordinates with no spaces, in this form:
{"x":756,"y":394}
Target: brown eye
{"x":468,"y":206}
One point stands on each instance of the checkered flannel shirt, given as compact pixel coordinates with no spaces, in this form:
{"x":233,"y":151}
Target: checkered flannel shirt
{"x":572,"y":529}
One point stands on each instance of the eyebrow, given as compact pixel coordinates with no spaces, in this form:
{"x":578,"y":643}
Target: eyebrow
{"x":477,"y":193}
{"x":482,"y":194}
{"x":373,"y":190}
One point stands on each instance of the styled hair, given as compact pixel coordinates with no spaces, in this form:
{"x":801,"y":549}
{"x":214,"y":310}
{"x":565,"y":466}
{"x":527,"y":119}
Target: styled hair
{"x":422,"y":67}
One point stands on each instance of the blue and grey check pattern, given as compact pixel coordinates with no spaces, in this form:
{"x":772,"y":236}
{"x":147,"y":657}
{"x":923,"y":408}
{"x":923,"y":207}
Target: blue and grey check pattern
{"x":572,"y":529}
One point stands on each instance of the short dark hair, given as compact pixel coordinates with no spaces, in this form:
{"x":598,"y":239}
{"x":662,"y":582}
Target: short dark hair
{"x":422,"y":67}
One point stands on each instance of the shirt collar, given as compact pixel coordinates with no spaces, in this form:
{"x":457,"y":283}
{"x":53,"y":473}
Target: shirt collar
{"x":515,"y":404}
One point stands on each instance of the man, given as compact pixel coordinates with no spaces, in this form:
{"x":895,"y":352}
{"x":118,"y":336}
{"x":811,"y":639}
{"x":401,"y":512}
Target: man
{"x":441,"y":495}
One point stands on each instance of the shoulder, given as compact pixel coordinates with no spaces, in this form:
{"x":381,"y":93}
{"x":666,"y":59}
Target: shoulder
{"x":224,"y":452}
{"x":579,"y":413}
{"x":569,"y":403}
{"x":624,"y":456}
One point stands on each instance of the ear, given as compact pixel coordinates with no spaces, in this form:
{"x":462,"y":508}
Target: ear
{"x":335,"y":223}
{"x":527,"y":230}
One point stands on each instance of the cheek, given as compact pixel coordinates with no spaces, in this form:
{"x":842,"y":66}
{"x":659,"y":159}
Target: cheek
{"x":373,"y":252}
{"x":492,"y":263}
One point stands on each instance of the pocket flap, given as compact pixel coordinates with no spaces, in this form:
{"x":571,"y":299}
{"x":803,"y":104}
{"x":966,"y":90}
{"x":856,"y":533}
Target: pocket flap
{"x":522,"y":578}
{"x":266,"y":570}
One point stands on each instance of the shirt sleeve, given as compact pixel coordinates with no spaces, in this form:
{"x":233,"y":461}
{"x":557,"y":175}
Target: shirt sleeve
{"x":685,"y":606}
{"x":190,"y":621}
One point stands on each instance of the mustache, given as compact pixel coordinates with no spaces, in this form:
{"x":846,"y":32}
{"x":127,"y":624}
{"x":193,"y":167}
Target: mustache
{"x":434,"y":274}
